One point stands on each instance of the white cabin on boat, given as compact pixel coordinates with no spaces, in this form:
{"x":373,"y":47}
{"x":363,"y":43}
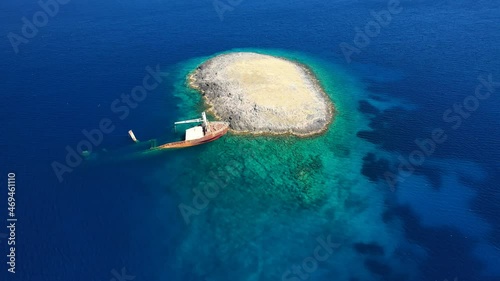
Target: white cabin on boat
{"x":194,"y":133}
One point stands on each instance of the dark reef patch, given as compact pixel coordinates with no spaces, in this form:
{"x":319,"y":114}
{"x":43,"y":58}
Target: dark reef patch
{"x":371,"y":136}
{"x":374,"y":168}
{"x":367,"y":108}
{"x":450,"y":249}
{"x":369,"y":249}
{"x":394,"y":129}
{"x":433,"y":174}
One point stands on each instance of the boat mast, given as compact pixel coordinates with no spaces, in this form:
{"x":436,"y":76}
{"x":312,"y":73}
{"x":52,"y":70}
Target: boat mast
{"x":202,"y":120}
{"x":189,"y":121}
{"x":205,"y":122}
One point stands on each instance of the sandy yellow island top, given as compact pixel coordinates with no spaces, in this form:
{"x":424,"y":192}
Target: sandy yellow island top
{"x":259,"y":94}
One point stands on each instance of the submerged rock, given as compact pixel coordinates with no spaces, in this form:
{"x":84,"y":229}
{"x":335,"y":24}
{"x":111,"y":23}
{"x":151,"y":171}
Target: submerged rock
{"x":258,"y":94}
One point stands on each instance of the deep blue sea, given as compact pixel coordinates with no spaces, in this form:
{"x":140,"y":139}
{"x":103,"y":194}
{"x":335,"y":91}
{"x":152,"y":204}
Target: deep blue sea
{"x":396,"y":210}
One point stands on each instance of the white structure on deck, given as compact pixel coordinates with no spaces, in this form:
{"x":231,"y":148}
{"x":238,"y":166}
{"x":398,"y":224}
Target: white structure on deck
{"x":198,"y":131}
{"x":194,"y":133}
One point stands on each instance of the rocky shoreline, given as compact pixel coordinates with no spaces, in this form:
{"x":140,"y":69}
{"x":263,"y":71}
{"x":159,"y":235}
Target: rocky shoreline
{"x":262,"y":94}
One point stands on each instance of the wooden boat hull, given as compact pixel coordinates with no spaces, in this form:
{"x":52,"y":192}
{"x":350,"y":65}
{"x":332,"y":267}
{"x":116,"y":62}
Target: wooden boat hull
{"x":215,"y":131}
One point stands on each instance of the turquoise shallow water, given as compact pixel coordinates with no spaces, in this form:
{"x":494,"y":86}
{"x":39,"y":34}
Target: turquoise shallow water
{"x":267,"y":200}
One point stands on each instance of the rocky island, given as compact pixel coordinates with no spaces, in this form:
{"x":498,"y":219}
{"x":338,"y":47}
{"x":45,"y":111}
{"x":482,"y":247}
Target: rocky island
{"x":260,"y":94}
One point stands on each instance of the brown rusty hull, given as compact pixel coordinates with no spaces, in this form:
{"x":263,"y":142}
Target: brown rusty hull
{"x":216,"y":130}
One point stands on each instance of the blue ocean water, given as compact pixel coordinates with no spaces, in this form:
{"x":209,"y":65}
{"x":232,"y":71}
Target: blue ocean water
{"x":122,"y":215}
